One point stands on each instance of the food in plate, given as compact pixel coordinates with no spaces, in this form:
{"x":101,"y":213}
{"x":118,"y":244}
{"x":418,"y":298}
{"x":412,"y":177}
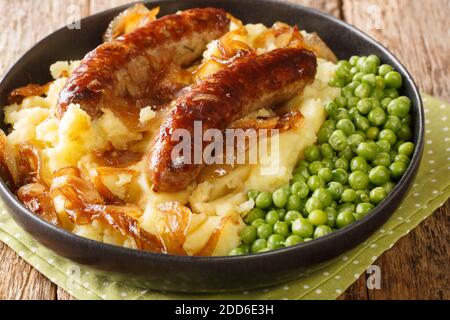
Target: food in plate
{"x":92,"y":150}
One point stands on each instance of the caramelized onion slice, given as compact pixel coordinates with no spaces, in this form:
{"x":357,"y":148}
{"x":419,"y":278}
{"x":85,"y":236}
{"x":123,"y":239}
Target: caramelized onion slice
{"x":8,"y":165}
{"x":35,"y":197}
{"x":175,"y":226}
{"x":129,"y":20}
{"x":282,"y":123}
{"x":17,"y":95}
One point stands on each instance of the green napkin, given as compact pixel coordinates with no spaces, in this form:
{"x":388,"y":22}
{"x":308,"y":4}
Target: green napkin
{"x":430,"y":190}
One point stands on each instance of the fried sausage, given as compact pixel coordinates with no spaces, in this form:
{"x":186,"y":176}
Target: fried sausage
{"x":122,"y":74}
{"x":221,"y":98}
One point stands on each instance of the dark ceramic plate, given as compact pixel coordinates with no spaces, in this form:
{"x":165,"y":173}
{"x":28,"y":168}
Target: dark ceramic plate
{"x":208,"y":274}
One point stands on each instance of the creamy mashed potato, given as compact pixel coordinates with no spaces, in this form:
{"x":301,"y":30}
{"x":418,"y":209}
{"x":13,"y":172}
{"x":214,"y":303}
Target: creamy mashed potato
{"x":218,"y":203}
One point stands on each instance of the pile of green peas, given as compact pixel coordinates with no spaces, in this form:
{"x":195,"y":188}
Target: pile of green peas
{"x":363,"y":149}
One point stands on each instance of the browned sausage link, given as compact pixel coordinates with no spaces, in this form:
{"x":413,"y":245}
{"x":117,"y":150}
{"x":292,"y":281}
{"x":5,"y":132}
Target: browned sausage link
{"x":127,"y":69}
{"x":228,"y":95}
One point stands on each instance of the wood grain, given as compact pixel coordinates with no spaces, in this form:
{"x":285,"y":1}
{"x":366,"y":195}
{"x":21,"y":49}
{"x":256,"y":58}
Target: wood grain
{"x":416,"y":31}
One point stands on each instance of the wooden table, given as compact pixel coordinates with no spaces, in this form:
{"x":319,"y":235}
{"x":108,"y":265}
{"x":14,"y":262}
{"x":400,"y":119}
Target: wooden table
{"x":416,"y":31}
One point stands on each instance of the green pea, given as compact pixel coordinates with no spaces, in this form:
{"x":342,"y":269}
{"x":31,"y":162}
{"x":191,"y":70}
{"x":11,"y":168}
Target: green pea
{"x":346,"y":154}
{"x":385,"y":102}
{"x":367,"y":150}
{"x":300,"y":189}
{"x":296,"y":178}
{"x":331,"y":216}
{"x":362,"y":123}
{"x":292,"y":240}
{"x":251,"y":194}
{"x":407,"y":120}
{"x":318,"y":217}
{"x":358,"y":180}
{"x":303,"y":171}
{"x":393,"y":123}
{"x":392,"y":155}
{"x":347,"y":91}
{"x":361,"y":62}
{"x":364,"y":208}
{"x":379,"y":175}
{"x":346,"y":207}
{"x":382,"y":159}
{"x":313,"y":204}
{"x":389,"y":186}
{"x":349,"y":195}
{"x":353,"y":60}
{"x":369,"y":79}
{"x":355,"y":140}
{"x":406,"y":149}
{"x":402,"y":158}
{"x":388,"y":135}
{"x":326,"y":151}
{"x":324,"y":197}
{"x":281,"y":228}
{"x":393,"y":79}
{"x":312,"y":153}
{"x":380,"y":83}
{"x":321,"y":231}
{"x":377,"y":116}
{"x":357,"y":77}
{"x":258,"y":245}
{"x":340,"y":175}
{"x":264,"y":231}
{"x":248,"y":234}
{"x":324,"y":135}
{"x":291,"y":215}
{"x":404,"y":132}
{"x":257,"y":222}
{"x":254,"y":214}
{"x":336,"y":82}
{"x":328,"y":163}
{"x":383,"y":145}
{"x":272,"y":217}
{"x":342,"y":113}
{"x":372,"y":133}
{"x":330,"y":123}
{"x":397,"y":169}
{"x":245,"y":247}
{"x":377,"y":94}
{"x":346,"y":126}
{"x":369,"y":66}
{"x":325,"y":174}
{"x":359,"y":164}
{"x":302,"y":228}
{"x":399,"y":107}
{"x":352,"y":102}
{"x":303,"y":163}
{"x":335,"y":189}
{"x":342,"y":70}
{"x":362,"y":196}
{"x":237,"y":252}
{"x":391,"y":93}
{"x":275,"y":241}
{"x":341,"y":102}
{"x":377,"y":195}
{"x":280,"y":197}
{"x":314,"y":167}
{"x":384,"y":69}
{"x":353,"y":112}
{"x":374,"y":59}
{"x":294,"y":202}
{"x":363,"y":91}
{"x":344,"y":219}
{"x":315,"y":182}
{"x":264,"y":200}
{"x":341,"y":163}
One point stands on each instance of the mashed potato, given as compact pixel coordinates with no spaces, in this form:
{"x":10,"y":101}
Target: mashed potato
{"x":217,"y":203}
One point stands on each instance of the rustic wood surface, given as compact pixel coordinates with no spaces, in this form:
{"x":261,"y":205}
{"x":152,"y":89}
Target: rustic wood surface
{"x":416,"y":31}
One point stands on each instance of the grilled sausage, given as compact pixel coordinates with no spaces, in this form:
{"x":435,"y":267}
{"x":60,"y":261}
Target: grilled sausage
{"x":228,"y":95}
{"x":122,"y":75}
